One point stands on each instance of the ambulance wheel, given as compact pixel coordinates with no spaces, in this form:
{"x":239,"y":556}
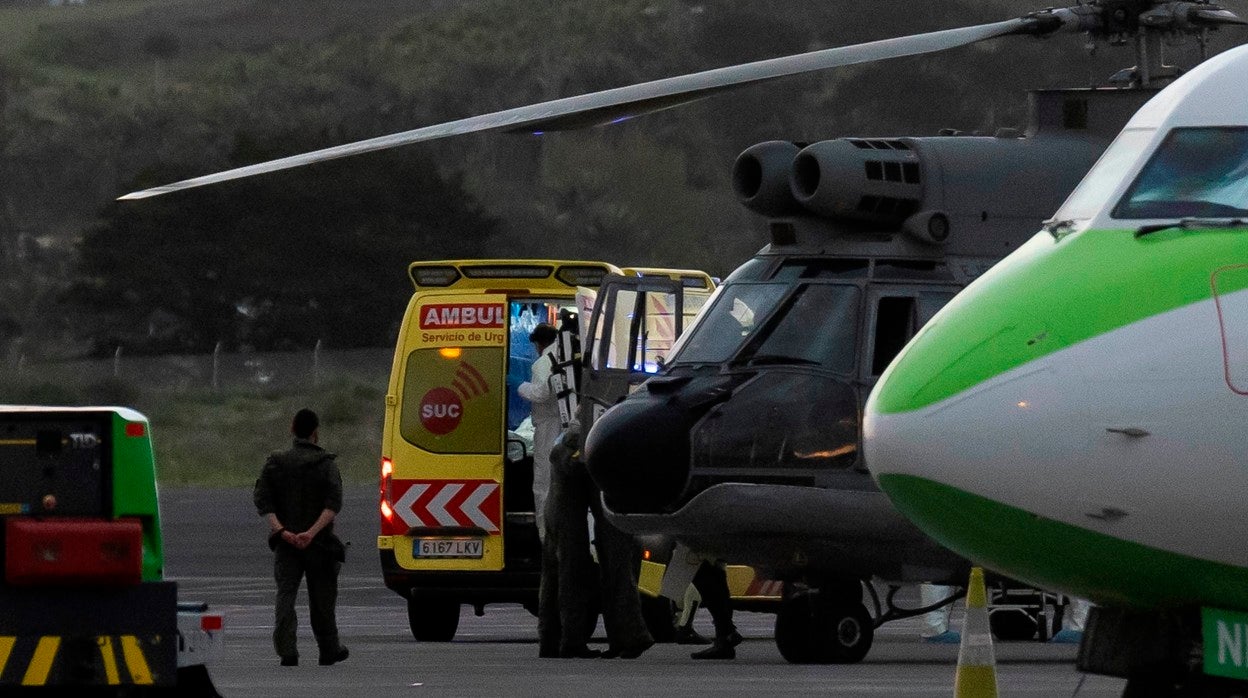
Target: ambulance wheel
{"x":659,"y":613}
{"x":811,"y":631}
{"x":433,"y":621}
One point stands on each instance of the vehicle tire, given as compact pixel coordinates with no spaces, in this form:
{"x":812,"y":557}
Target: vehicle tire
{"x":1012,"y":625}
{"x":433,"y":621}
{"x":194,"y":682}
{"x":659,"y":613}
{"x":810,"y":631}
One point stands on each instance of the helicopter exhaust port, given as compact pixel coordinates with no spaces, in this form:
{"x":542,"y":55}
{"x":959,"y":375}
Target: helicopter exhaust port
{"x":872,"y":181}
{"x":760,"y":178}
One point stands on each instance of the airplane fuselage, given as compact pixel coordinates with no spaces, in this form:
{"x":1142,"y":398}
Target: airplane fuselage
{"x":1078,"y":417}
{"x":1086,"y":431}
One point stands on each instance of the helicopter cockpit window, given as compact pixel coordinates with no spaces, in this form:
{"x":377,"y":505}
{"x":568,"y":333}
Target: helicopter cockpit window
{"x":895,"y":324}
{"x":912,"y":269}
{"x":738,"y":310}
{"x":1195,"y":173}
{"x":818,"y":326}
{"x":898,"y":318}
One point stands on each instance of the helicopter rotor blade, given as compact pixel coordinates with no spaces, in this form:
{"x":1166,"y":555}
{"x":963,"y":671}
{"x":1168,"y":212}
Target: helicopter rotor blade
{"x":621,"y":103}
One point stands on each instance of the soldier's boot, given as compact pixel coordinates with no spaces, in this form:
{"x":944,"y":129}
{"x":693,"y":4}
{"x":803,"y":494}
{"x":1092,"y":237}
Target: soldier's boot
{"x":724,"y":646}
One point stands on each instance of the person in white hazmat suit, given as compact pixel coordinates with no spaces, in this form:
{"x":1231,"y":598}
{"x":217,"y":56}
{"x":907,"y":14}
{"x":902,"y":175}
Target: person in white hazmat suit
{"x":936,"y":623}
{"x":545,"y":416}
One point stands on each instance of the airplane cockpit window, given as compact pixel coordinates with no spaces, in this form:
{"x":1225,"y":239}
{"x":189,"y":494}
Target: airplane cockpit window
{"x":818,"y":326}
{"x":1090,"y":197}
{"x":738,"y":310}
{"x":1196,"y":172}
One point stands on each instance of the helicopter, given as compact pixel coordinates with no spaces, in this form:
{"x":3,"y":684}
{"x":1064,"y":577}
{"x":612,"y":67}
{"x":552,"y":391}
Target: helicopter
{"x":1123,"y":380}
{"x":746,"y":445}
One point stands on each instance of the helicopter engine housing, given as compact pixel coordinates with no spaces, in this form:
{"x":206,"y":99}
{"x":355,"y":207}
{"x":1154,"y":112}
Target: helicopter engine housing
{"x":873,"y":181}
{"x":953,"y":192}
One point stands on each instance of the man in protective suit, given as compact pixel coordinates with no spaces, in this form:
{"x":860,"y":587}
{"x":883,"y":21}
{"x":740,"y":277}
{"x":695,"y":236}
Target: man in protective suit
{"x":570,"y":587}
{"x":545,"y":415}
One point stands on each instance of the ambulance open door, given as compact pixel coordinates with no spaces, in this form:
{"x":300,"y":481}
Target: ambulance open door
{"x":633,"y":327}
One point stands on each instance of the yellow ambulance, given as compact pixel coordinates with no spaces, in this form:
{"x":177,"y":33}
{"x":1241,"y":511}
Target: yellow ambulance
{"x":456,"y":501}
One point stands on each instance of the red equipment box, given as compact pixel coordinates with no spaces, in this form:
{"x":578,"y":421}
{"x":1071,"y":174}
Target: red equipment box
{"x":71,"y":552}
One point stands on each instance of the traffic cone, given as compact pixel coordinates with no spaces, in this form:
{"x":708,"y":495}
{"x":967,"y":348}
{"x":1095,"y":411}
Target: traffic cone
{"x":977,"y":665}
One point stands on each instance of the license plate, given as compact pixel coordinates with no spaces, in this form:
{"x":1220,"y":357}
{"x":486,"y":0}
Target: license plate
{"x":447,"y":547}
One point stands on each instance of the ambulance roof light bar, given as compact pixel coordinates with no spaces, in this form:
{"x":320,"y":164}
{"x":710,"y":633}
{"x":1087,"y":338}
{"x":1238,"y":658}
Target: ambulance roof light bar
{"x":451,"y":273}
{"x":434,"y":276}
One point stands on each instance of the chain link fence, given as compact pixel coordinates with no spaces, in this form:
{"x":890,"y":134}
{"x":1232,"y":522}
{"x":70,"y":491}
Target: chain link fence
{"x":270,"y":371}
{"x":216,"y":416}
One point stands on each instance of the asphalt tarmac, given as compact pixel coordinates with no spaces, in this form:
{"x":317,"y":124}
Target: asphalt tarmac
{"x":216,"y":551}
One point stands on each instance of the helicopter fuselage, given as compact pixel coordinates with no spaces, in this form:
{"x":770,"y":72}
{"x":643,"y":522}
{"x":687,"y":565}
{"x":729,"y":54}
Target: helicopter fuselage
{"x":747,"y":446}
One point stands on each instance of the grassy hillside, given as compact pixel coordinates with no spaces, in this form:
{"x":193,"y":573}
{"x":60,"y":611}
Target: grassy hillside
{"x":113,"y":31}
{"x":221,"y":438}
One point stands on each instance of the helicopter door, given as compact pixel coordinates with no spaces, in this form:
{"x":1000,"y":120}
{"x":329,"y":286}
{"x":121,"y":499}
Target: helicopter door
{"x":894,"y":316}
{"x":634,"y":325}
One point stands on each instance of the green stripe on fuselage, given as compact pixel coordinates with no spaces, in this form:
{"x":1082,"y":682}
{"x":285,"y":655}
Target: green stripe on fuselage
{"x":1049,"y":295}
{"x":1059,"y":556}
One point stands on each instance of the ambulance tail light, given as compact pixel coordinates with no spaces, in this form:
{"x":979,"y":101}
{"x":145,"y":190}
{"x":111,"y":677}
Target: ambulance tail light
{"x":387,"y":480}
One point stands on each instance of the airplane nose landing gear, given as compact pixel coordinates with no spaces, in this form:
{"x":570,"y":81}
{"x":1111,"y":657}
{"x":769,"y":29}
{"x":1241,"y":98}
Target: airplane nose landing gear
{"x":824,"y":625}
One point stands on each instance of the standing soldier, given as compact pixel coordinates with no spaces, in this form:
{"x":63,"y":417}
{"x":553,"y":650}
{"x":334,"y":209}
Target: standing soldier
{"x":299,"y":493}
{"x":566,"y":615}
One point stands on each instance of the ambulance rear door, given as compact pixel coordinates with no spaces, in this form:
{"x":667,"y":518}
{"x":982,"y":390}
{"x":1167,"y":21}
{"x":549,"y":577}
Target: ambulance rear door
{"x":634,"y":325}
{"x":448,"y":458}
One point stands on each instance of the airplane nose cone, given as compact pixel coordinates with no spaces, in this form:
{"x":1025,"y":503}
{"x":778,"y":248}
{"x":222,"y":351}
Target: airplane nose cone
{"x":1068,"y":408}
{"x":638,"y":453}
{"x":977,"y":407}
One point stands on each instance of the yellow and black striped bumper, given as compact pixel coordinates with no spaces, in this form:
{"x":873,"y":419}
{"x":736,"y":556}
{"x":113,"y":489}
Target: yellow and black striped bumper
{"x":77,"y":637}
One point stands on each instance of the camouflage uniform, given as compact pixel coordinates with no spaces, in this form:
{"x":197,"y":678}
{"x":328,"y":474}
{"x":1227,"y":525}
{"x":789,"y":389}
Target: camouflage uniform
{"x":297,"y":485}
{"x":570,"y":589}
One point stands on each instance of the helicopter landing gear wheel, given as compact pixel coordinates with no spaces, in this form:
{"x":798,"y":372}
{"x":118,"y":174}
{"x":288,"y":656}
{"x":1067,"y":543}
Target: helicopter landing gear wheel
{"x":811,"y":629}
